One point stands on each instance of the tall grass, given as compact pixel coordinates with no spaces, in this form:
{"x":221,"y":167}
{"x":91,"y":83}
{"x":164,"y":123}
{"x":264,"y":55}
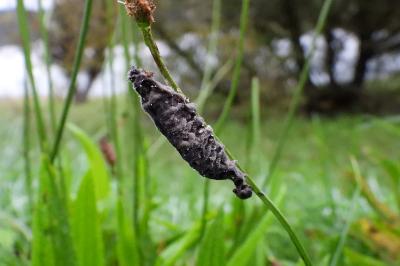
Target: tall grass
{"x":26,"y":43}
{"x":244,"y":18}
{"x":74,"y":74}
{"x":27,"y":147}
{"x":45,"y":39}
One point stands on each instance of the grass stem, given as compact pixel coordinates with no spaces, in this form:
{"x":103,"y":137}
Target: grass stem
{"x":27,"y":147}
{"x":244,"y":17}
{"x":24,"y":32}
{"x":295,"y":102}
{"x":45,"y":39}
{"x":72,"y":85}
{"x":155,"y":52}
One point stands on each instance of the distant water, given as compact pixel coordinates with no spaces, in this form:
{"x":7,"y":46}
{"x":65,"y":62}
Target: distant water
{"x":29,"y":4}
{"x":13,"y":76}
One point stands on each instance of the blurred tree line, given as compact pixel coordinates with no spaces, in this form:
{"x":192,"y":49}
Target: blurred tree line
{"x":359,"y":38}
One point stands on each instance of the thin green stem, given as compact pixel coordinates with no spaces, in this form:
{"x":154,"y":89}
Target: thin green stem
{"x":244,"y":17}
{"x":27,"y":147}
{"x":24,"y":32}
{"x":281,"y":219}
{"x":213,"y":44}
{"x":212,"y":84}
{"x":151,"y":44}
{"x":45,"y":39}
{"x":350,"y":216}
{"x":72,"y":86}
{"x":253,"y":155}
{"x":295,"y":102}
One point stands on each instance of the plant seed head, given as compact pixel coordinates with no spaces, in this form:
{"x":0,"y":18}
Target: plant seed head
{"x":142,"y":10}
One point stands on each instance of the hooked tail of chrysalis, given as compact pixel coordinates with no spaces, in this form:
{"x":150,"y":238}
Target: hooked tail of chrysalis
{"x":177,"y":119}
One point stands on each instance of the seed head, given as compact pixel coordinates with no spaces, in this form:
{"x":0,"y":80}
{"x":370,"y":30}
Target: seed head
{"x":142,"y":10}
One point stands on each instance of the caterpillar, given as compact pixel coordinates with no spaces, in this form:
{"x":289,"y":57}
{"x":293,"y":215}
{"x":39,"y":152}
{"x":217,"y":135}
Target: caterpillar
{"x":177,"y":119}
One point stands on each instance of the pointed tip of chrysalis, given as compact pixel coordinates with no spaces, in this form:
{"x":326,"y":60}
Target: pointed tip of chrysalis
{"x":142,"y":10}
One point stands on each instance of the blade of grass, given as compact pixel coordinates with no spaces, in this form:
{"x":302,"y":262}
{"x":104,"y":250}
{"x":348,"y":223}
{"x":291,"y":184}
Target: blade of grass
{"x":72,"y":85}
{"x":52,"y":235}
{"x":282,"y":220}
{"x":24,"y":33}
{"x":45,"y":40}
{"x":26,"y":149}
{"x":210,"y":86}
{"x":244,"y":17}
{"x":243,"y":254}
{"x":176,"y":250}
{"x":127,"y":249}
{"x":151,"y":44}
{"x":295,"y":102}
{"x":96,"y":162}
{"x":349,"y":219}
{"x":254,"y":154}
{"x":212,"y":249}
{"x":212,"y":44}
{"x":375,"y":203}
{"x":392,"y":168}
{"x":86,"y":224}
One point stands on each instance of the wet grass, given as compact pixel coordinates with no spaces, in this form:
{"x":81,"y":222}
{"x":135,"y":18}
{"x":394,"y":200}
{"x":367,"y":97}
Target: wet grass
{"x":315,"y":171}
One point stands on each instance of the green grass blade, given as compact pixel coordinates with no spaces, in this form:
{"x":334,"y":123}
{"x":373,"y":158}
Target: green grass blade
{"x":24,"y":32}
{"x":212,"y":248}
{"x":42,"y":249}
{"x":208,"y":88}
{"x":355,"y":258}
{"x":392,"y":168}
{"x":176,"y":250}
{"x":212,"y":45}
{"x":127,"y":248}
{"x":86,"y":225}
{"x":52,"y":236}
{"x":282,"y":220}
{"x":244,"y":253}
{"x":349,"y":219}
{"x":295,"y":102}
{"x":27,"y":147}
{"x":244,"y":17}
{"x":97,"y":165}
{"x":45,"y":38}
{"x":72,"y":85}
{"x":253,"y":155}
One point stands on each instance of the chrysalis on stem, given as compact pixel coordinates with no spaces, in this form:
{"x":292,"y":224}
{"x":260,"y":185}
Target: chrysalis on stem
{"x":177,"y":119}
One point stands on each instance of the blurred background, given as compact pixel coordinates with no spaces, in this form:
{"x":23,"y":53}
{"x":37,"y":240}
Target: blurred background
{"x":354,"y":69}
{"x":335,"y":164}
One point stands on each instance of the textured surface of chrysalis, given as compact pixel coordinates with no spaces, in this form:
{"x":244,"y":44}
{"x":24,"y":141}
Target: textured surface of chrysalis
{"x":178,"y":121}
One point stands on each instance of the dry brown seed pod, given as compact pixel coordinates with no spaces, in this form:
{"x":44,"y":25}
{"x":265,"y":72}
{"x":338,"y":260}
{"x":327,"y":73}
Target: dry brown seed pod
{"x":177,"y":119}
{"x":142,"y":10}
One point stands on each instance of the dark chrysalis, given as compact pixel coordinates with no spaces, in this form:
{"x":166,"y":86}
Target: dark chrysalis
{"x":178,"y":121}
